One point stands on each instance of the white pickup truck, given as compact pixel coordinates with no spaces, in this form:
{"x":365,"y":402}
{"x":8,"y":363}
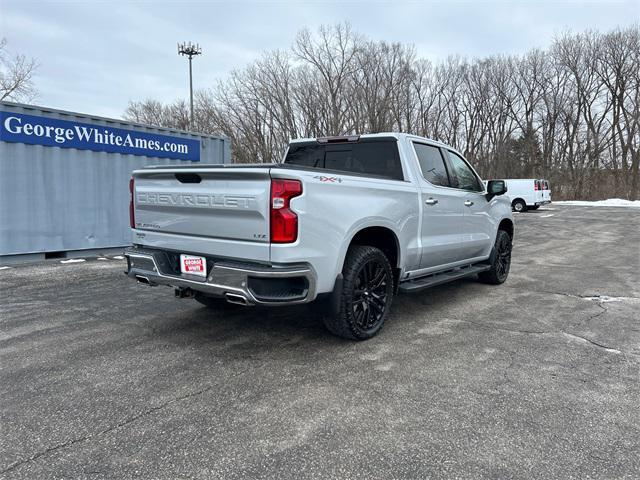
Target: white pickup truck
{"x":347,"y":220}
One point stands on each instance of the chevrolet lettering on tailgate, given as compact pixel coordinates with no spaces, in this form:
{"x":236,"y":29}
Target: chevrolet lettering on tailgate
{"x":194,"y":200}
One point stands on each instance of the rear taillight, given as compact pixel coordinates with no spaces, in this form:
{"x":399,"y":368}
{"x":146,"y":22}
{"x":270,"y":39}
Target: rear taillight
{"x":132,"y":215}
{"x":284,"y":221}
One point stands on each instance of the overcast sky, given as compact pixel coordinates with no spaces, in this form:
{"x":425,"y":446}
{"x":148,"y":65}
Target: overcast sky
{"x":96,"y":55}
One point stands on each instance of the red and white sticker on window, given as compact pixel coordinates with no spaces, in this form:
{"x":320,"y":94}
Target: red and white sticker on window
{"x":193,"y":265}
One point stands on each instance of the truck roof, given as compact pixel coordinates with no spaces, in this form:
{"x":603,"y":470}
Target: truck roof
{"x":396,"y":135}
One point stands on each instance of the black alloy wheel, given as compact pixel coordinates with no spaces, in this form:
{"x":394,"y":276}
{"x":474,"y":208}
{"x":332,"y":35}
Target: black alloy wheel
{"x":369,"y":298}
{"x":362,"y":299}
{"x":500,"y":260}
{"x":503,"y":257}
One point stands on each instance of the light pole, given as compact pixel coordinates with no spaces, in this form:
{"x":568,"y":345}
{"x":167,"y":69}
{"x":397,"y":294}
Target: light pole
{"x":190,"y":50}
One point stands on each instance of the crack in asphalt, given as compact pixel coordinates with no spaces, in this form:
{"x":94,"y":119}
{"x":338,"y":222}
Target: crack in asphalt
{"x":593,"y":342}
{"x":599,"y":301}
{"x":556,"y":333}
{"x":121,"y":424}
{"x":599,"y":314}
{"x":596,"y":297}
{"x":564,"y":294}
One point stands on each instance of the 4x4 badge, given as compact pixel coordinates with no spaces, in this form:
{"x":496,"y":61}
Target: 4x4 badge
{"x":322,"y":178}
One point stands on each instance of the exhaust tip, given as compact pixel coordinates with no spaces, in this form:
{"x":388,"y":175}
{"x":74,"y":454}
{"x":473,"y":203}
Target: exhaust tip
{"x":237,"y":299}
{"x":142,"y":279}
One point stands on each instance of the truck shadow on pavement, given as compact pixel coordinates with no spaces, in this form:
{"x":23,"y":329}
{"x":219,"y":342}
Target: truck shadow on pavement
{"x":255,"y":330}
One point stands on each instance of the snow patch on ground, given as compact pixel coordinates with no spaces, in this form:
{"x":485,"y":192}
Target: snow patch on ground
{"x":611,"y":202}
{"x":119,"y":257}
{"x":4,"y":268}
{"x":604,"y":298}
{"x":73,"y":260}
{"x":102,"y":258}
{"x":547,"y":216}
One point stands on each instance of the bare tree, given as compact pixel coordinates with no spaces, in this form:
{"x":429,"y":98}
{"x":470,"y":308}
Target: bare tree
{"x":618,"y":66}
{"x":570,"y":113}
{"x":332,"y":55}
{"x":152,"y":112}
{"x":16,"y":75}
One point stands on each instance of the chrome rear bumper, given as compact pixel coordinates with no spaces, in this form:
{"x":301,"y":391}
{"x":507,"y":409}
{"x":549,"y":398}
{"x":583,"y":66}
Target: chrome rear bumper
{"x":236,"y":281}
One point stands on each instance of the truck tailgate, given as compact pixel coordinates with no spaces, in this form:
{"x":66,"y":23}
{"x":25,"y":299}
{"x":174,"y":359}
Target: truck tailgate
{"x":230,"y":205}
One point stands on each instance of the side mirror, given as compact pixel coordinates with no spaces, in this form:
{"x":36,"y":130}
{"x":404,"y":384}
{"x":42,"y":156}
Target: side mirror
{"x":495,"y":188}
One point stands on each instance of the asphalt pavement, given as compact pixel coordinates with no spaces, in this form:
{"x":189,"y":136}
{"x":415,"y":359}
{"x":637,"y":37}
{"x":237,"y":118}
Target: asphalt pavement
{"x":537,"y":378}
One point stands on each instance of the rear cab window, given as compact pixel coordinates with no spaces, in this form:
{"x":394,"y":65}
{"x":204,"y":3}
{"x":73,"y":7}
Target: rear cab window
{"x":432,"y":164}
{"x":377,"y":157}
{"x":463,"y":175}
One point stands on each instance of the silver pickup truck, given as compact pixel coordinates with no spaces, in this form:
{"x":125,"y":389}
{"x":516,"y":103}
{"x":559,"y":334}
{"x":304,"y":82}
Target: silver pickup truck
{"x":347,"y":221}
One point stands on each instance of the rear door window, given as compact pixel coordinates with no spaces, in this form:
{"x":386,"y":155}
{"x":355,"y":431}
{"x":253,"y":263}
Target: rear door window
{"x":375,"y":157}
{"x":432,"y":164}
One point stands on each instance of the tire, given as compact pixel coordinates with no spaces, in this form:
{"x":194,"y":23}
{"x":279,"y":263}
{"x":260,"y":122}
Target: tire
{"x":365,"y":297}
{"x":519,"y":205}
{"x":215,"y":303}
{"x":500,"y":260}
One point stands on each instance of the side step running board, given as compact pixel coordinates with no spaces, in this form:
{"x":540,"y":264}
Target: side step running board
{"x":440,"y":278}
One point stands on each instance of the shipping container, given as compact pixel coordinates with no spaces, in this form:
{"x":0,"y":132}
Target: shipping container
{"x":64,"y":177}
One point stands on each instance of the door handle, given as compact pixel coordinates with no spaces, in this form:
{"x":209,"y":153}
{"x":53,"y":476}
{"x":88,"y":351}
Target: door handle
{"x":468,"y":203}
{"x":431,"y":201}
